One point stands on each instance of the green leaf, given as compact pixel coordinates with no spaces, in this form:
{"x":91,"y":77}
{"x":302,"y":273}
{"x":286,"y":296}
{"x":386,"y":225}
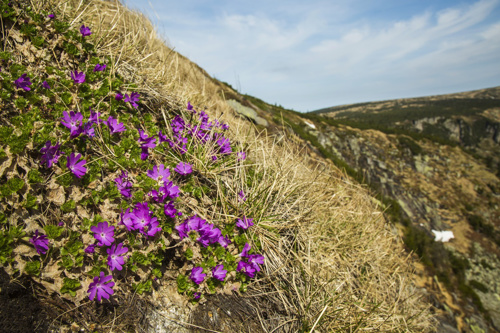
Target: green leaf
{"x":53,"y":231}
{"x":34,"y":176}
{"x":65,"y":180}
{"x":13,"y":185}
{"x":67,"y":98}
{"x":16,"y":232}
{"x":74,"y":246}
{"x":142,"y":287}
{"x":21,"y":103}
{"x":68,"y":206}
{"x":66,"y":262}
{"x":30,"y":201}
{"x":5,"y":133}
{"x":182,"y":283}
{"x":32,"y":268}
{"x":220,"y":252}
{"x":70,"y":286}
{"x":140,"y":258}
{"x":156,"y":272}
{"x":5,"y":56}
{"x":188,"y":254}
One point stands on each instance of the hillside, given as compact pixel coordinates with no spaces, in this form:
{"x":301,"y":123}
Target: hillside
{"x":133,"y":197}
{"x":433,"y":164}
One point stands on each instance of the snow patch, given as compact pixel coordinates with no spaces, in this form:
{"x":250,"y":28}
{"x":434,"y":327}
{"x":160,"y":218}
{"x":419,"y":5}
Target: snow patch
{"x":443,"y":236}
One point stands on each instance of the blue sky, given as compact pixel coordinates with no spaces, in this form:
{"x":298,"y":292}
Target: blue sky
{"x":307,"y":55}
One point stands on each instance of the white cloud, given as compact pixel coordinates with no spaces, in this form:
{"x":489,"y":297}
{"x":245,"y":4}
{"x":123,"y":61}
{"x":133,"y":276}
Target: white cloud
{"x":316,"y":54}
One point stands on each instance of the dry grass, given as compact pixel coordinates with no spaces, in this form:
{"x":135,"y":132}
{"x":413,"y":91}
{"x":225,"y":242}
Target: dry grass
{"x":331,"y":261}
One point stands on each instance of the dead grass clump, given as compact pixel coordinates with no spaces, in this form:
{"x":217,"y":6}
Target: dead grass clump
{"x":332,"y":264}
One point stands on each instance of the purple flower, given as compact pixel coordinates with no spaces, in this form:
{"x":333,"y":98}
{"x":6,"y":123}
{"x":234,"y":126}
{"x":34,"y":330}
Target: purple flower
{"x":255,"y":260}
{"x":242,"y":196}
{"x":45,"y":85}
{"x":197,"y":275}
{"x":132,"y":99}
{"x":51,"y":16}
{"x":169,"y":209}
{"x":50,"y":154}
{"x":104,"y":233}
{"x":162,"y":138}
{"x":23,"y":82}
{"x":90,"y":249}
{"x":100,"y":288}
{"x":219,"y":273}
{"x":61,"y":224}
{"x":94,"y":117}
{"x":248,"y":269}
{"x":224,"y":241}
{"x":143,"y":218}
{"x":78,"y":77}
{"x":152,"y":228}
{"x":85,"y":31}
{"x":126,"y":219}
{"x":123,"y":185}
{"x":118,"y":96}
{"x":146,"y":143}
{"x":183,"y":168}
{"x":244,"y":252}
{"x":183,"y":230}
{"x":196,"y":295}
{"x":189,"y":107}
{"x":88,"y":130}
{"x":195,"y":223}
{"x":159,"y":173}
{"x":73,"y":121}
{"x":76,"y":167}
{"x":171,"y":191}
{"x":114,"y":126}
{"x":115,"y":256}
{"x":100,"y":68}
{"x":241,"y":156}
{"x":245,"y":223}
{"x":41,"y":242}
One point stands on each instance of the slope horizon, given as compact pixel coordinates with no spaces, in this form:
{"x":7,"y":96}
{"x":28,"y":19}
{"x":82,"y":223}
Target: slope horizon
{"x":325,"y":109}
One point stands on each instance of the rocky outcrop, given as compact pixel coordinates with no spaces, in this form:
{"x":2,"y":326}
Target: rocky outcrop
{"x":437,"y":187}
{"x":247,"y":112}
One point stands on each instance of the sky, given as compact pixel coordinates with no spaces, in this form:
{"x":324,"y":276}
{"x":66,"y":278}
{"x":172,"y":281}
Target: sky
{"x":308,"y":55}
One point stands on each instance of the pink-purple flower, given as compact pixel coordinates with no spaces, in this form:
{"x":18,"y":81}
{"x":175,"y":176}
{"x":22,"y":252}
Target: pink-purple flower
{"x":100,"y":68}
{"x":132,"y":99}
{"x":73,"y":121}
{"x":114,"y":126}
{"x":219,"y":273}
{"x":78,"y":77}
{"x":104,"y":233}
{"x":183,"y":168}
{"x":100,"y":288}
{"x":46,"y":85}
{"x":90,"y":249}
{"x":85,"y":31}
{"x":244,"y":223}
{"x":118,"y":96}
{"x":50,"y":154}
{"x":241,"y":156}
{"x":123,"y":185}
{"x":41,"y":242}
{"x":115,"y":256}
{"x":159,"y":173}
{"x":77,"y":167}
{"x":197,"y":275}
{"x":23,"y":82}
{"x":242,"y":196}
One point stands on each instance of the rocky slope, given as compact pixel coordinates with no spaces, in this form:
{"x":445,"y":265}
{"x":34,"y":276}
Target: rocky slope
{"x":433,"y":163}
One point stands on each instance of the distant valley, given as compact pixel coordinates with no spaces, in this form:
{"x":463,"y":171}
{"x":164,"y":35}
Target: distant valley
{"x":433,"y":163}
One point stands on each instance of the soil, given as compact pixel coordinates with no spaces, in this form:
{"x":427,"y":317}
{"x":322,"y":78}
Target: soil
{"x":20,"y":311}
